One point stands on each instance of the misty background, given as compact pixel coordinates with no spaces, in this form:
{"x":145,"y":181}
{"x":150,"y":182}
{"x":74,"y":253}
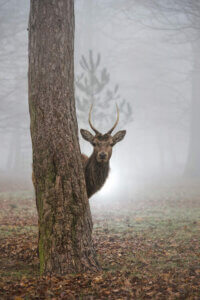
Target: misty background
{"x":144,"y":55}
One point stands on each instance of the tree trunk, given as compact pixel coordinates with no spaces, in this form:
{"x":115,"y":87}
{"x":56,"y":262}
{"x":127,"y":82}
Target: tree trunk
{"x":193,"y":161}
{"x":65,"y":224}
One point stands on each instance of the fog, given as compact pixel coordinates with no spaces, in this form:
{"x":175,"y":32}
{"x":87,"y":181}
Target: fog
{"x":147,"y":56}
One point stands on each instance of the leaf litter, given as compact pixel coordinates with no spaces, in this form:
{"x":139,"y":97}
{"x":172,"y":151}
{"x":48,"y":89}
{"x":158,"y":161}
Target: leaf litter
{"x":147,"y":251}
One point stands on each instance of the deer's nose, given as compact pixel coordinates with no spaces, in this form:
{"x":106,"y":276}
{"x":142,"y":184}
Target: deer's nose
{"x":102,"y":155}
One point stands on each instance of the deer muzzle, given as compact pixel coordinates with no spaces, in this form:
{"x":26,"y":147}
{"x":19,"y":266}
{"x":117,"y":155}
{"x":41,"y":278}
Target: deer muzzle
{"x":102,"y":156}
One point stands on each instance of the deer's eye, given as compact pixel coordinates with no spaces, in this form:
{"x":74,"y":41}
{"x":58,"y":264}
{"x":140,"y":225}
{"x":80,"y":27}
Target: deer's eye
{"x":94,"y":144}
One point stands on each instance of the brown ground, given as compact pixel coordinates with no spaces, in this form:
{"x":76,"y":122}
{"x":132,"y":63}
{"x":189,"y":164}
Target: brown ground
{"x":149,"y":249}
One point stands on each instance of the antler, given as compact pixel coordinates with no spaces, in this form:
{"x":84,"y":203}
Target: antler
{"x":111,"y":130}
{"x":95,"y":130}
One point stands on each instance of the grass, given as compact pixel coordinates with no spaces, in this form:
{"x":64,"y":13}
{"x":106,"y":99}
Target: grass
{"x":12,"y":230}
{"x":145,"y":250}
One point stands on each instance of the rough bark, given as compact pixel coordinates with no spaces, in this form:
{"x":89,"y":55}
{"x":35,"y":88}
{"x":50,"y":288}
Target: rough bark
{"x":65,"y":224}
{"x":193,"y":161}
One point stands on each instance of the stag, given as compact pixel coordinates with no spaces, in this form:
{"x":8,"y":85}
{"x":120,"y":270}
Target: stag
{"x":96,"y":167}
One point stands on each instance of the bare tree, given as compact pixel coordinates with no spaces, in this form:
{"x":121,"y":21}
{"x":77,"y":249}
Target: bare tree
{"x":65,"y":224}
{"x":181,"y":21}
{"x":188,"y":23}
{"x":13,"y":101}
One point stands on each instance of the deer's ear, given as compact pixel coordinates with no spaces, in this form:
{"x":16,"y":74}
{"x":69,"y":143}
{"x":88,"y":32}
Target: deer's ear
{"x":87,"y":135}
{"x":118,"y":137}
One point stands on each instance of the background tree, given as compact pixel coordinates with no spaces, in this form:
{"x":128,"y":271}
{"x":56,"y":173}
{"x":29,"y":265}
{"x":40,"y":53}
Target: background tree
{"x":65,"y":225}
{"x":181,"y":21}
{"x":187,"y":28}
{"x":93,"y":86}
{"x":15,"y":149}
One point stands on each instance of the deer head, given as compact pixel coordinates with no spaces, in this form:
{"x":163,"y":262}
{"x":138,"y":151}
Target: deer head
{"x":103,"y":143}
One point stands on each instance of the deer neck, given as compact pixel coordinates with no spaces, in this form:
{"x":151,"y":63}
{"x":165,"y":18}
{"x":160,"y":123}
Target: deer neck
{"x":96,"y":174}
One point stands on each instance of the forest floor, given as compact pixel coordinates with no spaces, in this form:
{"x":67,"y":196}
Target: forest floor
{"x":148,"y":249}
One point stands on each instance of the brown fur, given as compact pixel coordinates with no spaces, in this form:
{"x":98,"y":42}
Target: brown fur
{"x":96,"y":167}
{"x":95,"y":173}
